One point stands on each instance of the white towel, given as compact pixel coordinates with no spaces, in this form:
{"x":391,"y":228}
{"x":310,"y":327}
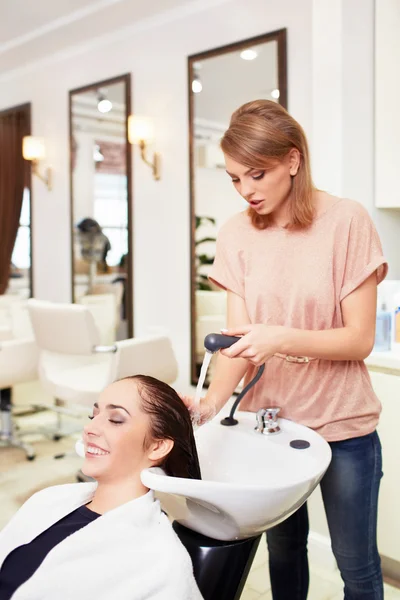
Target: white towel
{"x":129,"y":553}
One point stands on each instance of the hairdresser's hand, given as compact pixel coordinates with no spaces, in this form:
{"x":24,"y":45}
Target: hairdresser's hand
{"x":258,"y":344}
{"x":201,"y":413}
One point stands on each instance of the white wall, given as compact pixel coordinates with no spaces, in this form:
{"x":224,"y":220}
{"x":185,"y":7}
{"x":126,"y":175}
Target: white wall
{"x":158,"y":63}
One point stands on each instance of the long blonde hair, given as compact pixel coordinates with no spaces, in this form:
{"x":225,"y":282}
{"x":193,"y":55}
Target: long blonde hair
{"x":261,"y":133}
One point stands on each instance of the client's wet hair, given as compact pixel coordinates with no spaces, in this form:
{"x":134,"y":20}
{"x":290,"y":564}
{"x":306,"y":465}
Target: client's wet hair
{"x":169,"y":419}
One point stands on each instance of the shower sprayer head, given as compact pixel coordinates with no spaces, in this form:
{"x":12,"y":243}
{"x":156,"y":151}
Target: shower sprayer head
{"x":216,"y":341}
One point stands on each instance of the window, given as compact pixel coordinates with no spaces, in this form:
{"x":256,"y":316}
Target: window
{"x":111,"y":213}
{"x":21,"y":256}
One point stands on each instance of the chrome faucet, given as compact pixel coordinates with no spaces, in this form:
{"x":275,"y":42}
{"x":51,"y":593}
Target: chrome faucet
{"x":267,"y":422}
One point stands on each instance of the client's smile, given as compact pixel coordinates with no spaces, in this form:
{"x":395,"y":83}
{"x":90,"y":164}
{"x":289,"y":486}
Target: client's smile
{"x":92,"y":449}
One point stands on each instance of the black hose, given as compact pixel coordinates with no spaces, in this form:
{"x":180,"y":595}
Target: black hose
{"x":229,"y":421}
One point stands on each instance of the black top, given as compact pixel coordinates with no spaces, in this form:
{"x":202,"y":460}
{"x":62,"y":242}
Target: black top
{"x":22,"y":562}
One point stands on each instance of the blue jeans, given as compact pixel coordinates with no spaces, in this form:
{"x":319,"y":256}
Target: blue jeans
{"x":350,"y":491}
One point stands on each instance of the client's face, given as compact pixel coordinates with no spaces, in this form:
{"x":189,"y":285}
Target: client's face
{"x":114,"y":439}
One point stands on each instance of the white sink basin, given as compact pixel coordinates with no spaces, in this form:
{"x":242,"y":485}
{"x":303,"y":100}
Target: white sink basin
{"x":251,"y":481}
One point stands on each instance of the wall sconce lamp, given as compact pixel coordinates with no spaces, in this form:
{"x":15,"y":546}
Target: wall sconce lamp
{"x":141,"y":133}
{"x":33,"y":149}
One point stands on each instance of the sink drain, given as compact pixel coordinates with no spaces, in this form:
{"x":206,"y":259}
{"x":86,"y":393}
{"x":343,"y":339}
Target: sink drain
{"x":300,"y":444}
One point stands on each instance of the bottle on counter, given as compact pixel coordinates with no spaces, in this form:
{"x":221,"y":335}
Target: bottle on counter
{"x":383,"y":329}
{"x":396,"y":332}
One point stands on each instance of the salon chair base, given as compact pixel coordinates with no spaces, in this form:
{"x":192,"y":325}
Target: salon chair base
{"x":220,"y":568}
{"x":8,"y":438}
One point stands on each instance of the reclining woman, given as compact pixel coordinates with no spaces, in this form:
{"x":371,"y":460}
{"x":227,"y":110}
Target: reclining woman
{"x":109,"y":539}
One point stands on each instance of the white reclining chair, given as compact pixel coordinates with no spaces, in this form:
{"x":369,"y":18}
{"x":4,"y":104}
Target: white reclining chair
{"x":18,"y":364}
{"x":74,"y":368}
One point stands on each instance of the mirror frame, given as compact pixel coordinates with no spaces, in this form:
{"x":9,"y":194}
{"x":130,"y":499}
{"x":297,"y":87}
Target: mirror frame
{"x":280,"y":37}
{"x":126,"y":79}
{"x":27,"y":107}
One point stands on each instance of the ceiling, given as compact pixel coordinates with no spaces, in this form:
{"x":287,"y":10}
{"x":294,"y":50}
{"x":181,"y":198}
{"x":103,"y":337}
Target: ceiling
{"x":87,"y":118}
{"x":30,"y":31}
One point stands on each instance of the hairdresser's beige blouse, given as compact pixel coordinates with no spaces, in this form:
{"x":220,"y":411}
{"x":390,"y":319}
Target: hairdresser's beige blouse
{"x":298,"y":279}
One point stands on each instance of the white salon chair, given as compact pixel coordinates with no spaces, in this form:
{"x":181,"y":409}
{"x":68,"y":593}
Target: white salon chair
{"x":75,"y":368}
{"x":18,"y":364}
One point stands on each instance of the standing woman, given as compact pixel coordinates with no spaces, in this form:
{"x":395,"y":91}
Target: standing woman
{"x":301,"y":268}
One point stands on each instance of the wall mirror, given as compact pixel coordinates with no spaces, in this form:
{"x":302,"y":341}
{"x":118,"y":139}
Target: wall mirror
{"x":15,"y":205}
{"x":101,"y":204}
{"x":220,"y":81}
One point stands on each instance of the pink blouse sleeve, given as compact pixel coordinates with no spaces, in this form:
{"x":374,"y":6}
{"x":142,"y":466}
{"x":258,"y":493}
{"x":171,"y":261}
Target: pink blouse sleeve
{"x":364,"y":254}
{"x":227,"y":270}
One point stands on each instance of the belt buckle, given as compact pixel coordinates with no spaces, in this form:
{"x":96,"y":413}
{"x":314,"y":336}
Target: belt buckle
{"x":297,"y":359}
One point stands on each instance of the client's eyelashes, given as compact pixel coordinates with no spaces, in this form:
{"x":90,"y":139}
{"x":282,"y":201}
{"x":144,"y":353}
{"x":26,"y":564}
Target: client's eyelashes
{"x":91,"y":417}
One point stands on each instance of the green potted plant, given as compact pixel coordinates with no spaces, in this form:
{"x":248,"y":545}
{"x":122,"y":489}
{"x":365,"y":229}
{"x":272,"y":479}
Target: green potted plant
{"x":203,"y":258}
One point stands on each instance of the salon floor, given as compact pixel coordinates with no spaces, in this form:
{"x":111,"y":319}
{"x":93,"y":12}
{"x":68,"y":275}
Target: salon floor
{"x":19,"y":479}
{"x":324,"y":585}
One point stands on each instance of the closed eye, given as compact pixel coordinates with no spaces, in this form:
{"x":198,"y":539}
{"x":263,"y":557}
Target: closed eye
{"x":111,"y":420}
{"x":256,"y":177}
